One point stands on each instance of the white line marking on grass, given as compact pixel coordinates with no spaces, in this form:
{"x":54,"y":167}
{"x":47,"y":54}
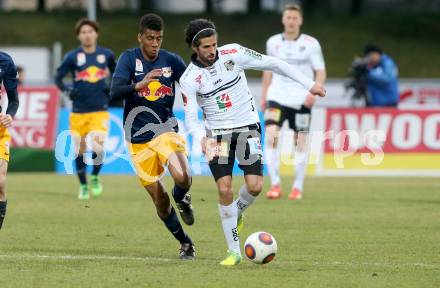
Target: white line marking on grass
{"x":86,"y":257}
{"x":163,"y":259}
{"x":427,"y":265}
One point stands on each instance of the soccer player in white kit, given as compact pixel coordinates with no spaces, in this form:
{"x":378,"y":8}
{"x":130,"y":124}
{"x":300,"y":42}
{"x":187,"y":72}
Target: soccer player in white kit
{"x":215,"y":81}
{"x":284,"y":99}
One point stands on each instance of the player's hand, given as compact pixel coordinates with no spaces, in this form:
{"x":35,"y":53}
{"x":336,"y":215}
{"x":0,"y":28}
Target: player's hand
{"x":318,"y":89}
{"x":6,"y":120}
{"x":151,"y":76}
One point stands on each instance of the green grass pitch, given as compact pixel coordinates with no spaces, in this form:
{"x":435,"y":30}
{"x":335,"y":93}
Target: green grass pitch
{"x":346,"y":232}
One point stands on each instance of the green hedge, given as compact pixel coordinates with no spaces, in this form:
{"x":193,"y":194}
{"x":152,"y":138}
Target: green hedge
{"x":31,"y":160}
{"x":410,"y":38}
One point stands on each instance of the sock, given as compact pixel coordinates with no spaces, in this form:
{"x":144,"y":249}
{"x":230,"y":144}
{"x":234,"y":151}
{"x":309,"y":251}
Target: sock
{"x":173,"y":224}
{"x":244,"y":200}
{"x":97,"y":167}
{"x":81,"y":169}
{"x":3,"y":205}
{"x":179,"y":192}
{"x":272,"y":161}
{"x":301,"y":160}
{"x":228,"y":215}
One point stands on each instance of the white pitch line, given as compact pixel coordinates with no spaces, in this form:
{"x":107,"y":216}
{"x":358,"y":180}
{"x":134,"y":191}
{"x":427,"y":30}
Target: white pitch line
{"x":162,"y":259}
{"x":85,"y":257}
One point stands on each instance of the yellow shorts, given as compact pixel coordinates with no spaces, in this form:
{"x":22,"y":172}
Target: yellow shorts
{"x":84,"y":123}
{"x":150,"y":158}
{"x":5,"y":141}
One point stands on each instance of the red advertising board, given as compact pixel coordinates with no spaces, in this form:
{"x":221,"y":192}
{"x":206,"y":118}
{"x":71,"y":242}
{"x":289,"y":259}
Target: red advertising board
{"x":389,"y":130}
{"x":35,"y":123}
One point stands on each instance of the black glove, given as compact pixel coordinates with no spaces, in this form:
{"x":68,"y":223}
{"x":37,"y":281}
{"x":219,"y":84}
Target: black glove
{"x":107,"y":92}
{"x":72,"y":94}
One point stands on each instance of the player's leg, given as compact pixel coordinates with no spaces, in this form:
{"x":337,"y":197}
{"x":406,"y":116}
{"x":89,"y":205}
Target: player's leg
{"x":171,"y":150}
{"x":81,"y":167}
{"x":78,"y":129}
{"x":229,"y":217}
{"x":249,"y":192}
{"x":301,"y":126}
{"x":221,"y":157}
{"x":149,"y":169}
{"x":179,"y":169}
{"x":98,"y":124}
{"x":168,"y":215}
{"x":249,"y":155}
{"x":98,"y":140}
{"x":3,"y":200}
{"x":273,"y":120}
{"x":272,"y":160}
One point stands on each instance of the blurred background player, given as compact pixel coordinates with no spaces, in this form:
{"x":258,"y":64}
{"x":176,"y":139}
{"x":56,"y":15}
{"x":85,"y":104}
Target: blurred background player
{"x":90,"y":65}
{"x":215,"y":80}
{"x":145,"y":78}
{"x":284,"y":99}
{"x":8,"y":78}
{"x":20,"y":73}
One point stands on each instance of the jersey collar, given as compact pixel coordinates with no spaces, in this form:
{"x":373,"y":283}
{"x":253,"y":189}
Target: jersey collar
{"x":284,"y":38}
{"x":197,"y":62}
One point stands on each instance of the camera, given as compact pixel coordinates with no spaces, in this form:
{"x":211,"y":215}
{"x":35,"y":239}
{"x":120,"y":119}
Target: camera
{"x":356,"y":86}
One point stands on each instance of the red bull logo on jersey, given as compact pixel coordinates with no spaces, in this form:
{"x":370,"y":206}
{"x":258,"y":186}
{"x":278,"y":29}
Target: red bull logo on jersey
{"x":91,"y":74}
{"x":156,"y":90}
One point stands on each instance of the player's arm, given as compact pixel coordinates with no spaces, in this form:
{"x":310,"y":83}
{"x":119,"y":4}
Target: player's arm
{"x":111,"y":63}
{"x":190,"y":104}
{"x":191,"y":113}
{"x":66,"y":66}
{"x":266,"y":79}
{"x":10,"y":82}
{"x":122,"y":88}
{"x":318,"y":64}
{"x":122,"y":85}
{"x":320,"y":76}
{"x":250,"y":59}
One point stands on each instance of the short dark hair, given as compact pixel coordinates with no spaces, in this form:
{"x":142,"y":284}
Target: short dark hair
{"x":194,"y":31}
{"x":151,"y":21}
{"x":293,"y":7}
{"x":372,"y":48}
{"x":84,"y":21}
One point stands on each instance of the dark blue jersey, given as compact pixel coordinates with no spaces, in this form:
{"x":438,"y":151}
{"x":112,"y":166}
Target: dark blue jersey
{"x":89,"y":72}
{"x":148,"y":113}
{"x":9,"y":79}
{"x":8,"y":72}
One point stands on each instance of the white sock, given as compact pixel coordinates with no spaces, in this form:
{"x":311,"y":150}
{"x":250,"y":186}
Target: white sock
{"x":301,"y":160}
{"x":272,"y":161}
{"x":228,"y":215}
{"x":244,"y":200}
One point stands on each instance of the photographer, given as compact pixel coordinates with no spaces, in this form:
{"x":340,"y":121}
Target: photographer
{"x":374,"y":79}
{"x":381,"y":78}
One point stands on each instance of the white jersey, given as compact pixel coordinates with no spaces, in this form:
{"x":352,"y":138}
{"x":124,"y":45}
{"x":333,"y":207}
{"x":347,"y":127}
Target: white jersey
{"x":221,"y":89}
{"x":305,"y":54}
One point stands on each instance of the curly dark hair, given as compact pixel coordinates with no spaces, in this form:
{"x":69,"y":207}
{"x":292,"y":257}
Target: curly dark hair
{"x":194,"y":31}
{"x":151,"y":21}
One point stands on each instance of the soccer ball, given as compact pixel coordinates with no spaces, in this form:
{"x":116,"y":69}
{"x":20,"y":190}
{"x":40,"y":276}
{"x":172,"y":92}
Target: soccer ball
{"x":260,"y":247}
